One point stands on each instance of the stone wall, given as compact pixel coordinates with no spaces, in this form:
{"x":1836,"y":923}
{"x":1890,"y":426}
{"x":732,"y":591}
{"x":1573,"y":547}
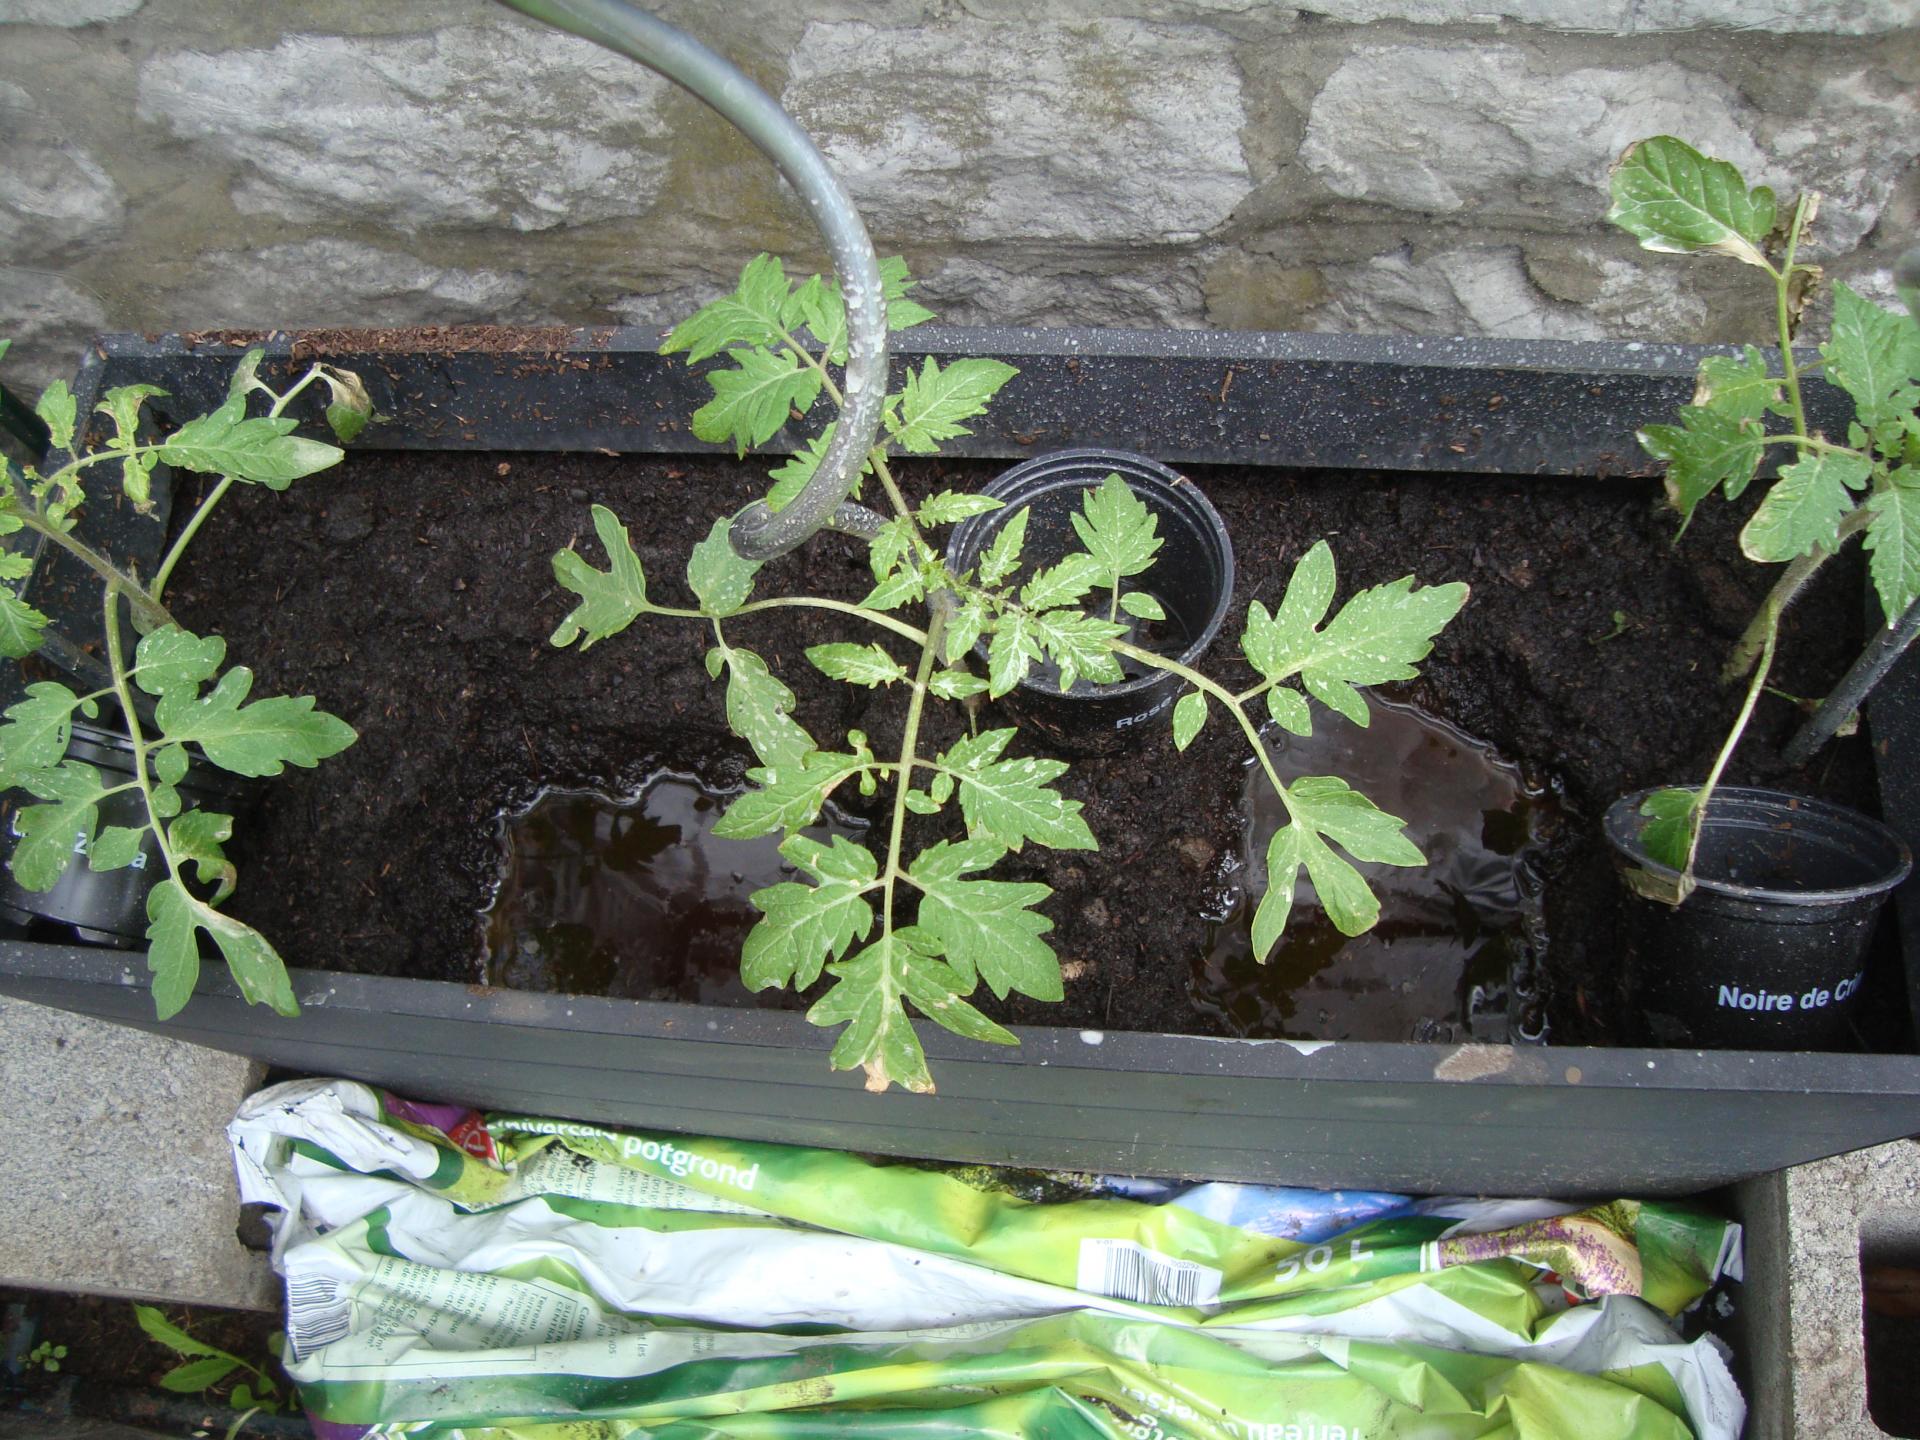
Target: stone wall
{"x":1428,"y":166}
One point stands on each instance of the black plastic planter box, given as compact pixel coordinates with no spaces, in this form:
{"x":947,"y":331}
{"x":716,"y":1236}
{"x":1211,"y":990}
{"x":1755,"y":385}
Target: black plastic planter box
{"x":1485,"y":1119}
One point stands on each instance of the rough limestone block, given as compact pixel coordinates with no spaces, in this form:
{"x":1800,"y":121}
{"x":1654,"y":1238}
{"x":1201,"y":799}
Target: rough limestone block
{"x":1484,"y":130}
{"x":66,"y":13}
{"x":53,"y":194}
{"x":1806,"y":1229}
{"x":475,"y":125}
{"x":1107,"y":132}
{"x":1638,"y":17}
{"x":49,"y":320}
{"x":115,"y":1176}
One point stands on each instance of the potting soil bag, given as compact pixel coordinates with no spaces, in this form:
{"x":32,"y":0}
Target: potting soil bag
{"x":448,"y":1270}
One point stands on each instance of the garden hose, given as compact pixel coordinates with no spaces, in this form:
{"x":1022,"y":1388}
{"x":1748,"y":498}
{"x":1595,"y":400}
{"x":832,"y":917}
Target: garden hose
{"x":758,"y":533}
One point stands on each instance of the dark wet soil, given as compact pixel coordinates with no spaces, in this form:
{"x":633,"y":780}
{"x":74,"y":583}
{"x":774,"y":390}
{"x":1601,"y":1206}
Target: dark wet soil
{"x":413,"y":594}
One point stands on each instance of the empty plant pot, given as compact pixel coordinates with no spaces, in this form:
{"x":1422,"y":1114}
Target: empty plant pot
{"x":1769,"y":951}
{"x":106,"y":907}
{"x":1191,"y":577}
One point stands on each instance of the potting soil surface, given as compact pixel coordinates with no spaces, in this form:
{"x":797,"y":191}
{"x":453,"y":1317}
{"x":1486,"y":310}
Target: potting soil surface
{"x":413,"y":594}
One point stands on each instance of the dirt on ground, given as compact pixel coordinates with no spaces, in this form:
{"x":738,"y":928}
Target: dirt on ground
{"x":413,"y":594}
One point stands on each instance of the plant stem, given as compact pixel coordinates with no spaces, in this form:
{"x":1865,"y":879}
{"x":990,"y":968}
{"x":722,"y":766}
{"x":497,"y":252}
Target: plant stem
{"x":802,"y":602}
{"x":1771,"y":614}
{"x":1219,"y":692}
{"x":117,"y":660}
{"x":116,"y":580}
{"x":1785,"y":591}
{"x":1782,"y":284}
{"x":187,"y":532}
{"x":903,"y":781}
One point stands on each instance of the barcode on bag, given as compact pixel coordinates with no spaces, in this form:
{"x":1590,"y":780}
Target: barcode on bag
{"x":1128,"y":1271}
{"x":319,"y":1312}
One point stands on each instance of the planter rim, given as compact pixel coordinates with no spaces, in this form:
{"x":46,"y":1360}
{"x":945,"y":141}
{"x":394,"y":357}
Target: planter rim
{"x":1749,"y":804}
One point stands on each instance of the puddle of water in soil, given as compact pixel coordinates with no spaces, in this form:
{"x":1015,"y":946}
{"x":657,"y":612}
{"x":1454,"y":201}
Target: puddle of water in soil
{"x":1455,"y":955}
{"x":633,"y":898}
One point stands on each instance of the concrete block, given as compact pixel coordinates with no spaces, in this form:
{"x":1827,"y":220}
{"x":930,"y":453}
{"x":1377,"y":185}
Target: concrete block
{"x":114,"y":1169}
{"x":1807,"y":1230}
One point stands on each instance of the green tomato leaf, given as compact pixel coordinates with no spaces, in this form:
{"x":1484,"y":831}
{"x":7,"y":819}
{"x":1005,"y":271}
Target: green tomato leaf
{"x":955,"y":684}
{"x":1874,"y":356}
{"x":1011,"y":652}
{"x":818,"y":305}
{"x":1079,"y":645}
{"x":892,"y":545}
{"x":1348,"y":900}
{"x":261,"y":451}
{"x":199,"y":837}
{"x":1804,"y":507}
{"x":115,"y":847}
{"x":902,"y":587}
{"x":1331,"y":807}
{"x":807,"y":925}
{"x":1189,"y":714}
{"x":1061,"y":584}
{"x":951,"y":506}
{"x":1290,"y":710}
{"x":1003,"y":554}
{"x":37,"y":729}
{"x":902,"y":313}
{"x":935,"y":400}
{"x":171,"y":658}
{"x":754,"y":400}
{"x":1668,"y":835}
{"x":1674,"y":199}
{"x":987,"y":928}
{"x":174,"y":920}
{"x":753,"y":315}
{"x":790,"y":478}
{"x":719,"y":575}
{"x":611,"y":599}
{"x":50,"y":835}
{"x":256,"y":739}
{"x":760,"y":710}
{"x":1008,"y":801}
{"x":964,"y":627}
{"x":866,"y":665}
{"x":1118,"y":529}
{"x":787,"y":797}
{"x":1893,"y":542}
{"x":1705,"y":451}
{"x":58,"y":410}
{"x":170,"y":764}
{"x":350,"y":408}
{"x":1142,"y":606}
{"x":1276,"y":902}
{"x":1742,"y":389}
{"x":20,"y":626}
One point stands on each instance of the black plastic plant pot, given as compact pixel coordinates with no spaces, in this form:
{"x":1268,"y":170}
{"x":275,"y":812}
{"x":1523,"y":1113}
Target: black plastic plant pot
{"x":1191,"y":577}
{"x":1769,"y":952}
{"x":105,"y":907}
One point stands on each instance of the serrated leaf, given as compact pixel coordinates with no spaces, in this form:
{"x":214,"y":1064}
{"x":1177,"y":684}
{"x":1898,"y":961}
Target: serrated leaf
{"x":115,"y":847}
{"x":257,"y":739}
{"x":172,"y":658}
{"x":1346,"y":897}
{"x":964,"y":627}
{"x":936,"y":399}
{"x":987,"y":928}
{"x":1874,"y":356}
{"x":1061,"y":584}
{"x":790,"y":478}
{"x":1270,"y":916}
{"x":160,"y":1329}
{"x":1142,"y":606}
{"x":58,"y":410}
{"x":15,"y":566}
{"x":1376,"y":636}
{"x":1189,"y":714}
{"x":807,"y":925}
{"x":1003,"y":553}
{"x":760,"y":711}
{"x":955,"y":684}
{"x":1008,"y":801}
{"x":20,"y":626}
{"x":1118,"y":529}
{"x":1705,"y":451}
{"x":892,"y":545}
{"x":788,"y":796}
{"x":818,"y":305}
{"x":1892,"y":541}
{"x":1804,"y":507}
{"x":1742,"y":389}
{"x":1668,"y":835}
{"x":719,"y":575}
{"x":262,"y":450}
{"x":952,"y":506}
{"x":1290,"y":710}
{"x":902,"y":587}
{"x":610,"y":599}
{"x":199,"y":837}
{"x":49,"y":835}
{"x":866,"y":665}
{"x":174,"y":919}
{"x":1079,"y":645}
{"x":1674,"y":199}
{"x":902,"y":313}
{"x":752,"y":315}
{"x":1011,"y":652}
{"x":1342,"y":814}
{"x":37,"y":730}
{"x":752,"y":401}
